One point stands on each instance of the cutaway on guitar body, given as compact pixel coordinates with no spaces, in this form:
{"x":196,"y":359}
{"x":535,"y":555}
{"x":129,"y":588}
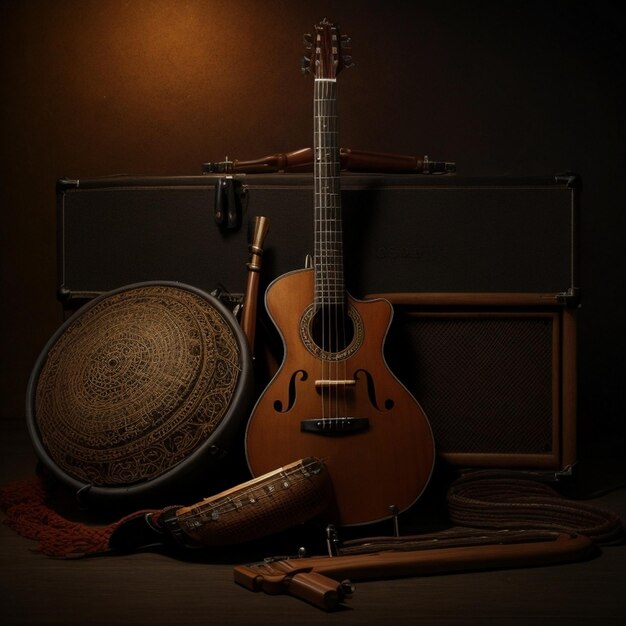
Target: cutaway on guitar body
{"x":372,"y":433}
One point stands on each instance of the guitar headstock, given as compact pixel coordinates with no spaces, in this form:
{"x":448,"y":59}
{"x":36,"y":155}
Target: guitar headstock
{"x":325,"y":56}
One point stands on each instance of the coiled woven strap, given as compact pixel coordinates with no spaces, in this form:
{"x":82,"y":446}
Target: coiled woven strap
{"x":497,"y":499}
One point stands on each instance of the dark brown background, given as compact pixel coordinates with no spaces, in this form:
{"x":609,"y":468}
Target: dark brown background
{"x":101,"y":87}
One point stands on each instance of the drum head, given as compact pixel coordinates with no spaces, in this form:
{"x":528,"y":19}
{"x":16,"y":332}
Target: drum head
{"x":137,"y":388}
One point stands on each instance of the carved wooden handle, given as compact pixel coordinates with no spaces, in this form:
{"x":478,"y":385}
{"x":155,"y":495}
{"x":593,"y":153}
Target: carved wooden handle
{"x":316,"y":577}
{"x":248,"y":319}
{"x":350,"y":160}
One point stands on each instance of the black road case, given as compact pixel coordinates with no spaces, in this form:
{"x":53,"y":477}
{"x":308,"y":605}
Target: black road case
{"x":404,"y":233}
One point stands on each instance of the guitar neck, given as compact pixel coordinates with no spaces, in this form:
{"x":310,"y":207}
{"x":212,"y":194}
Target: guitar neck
{"x":329,"y":279}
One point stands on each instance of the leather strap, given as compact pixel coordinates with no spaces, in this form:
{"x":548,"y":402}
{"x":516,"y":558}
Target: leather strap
{"x":141,"y":530}
{"x":497,"y":499}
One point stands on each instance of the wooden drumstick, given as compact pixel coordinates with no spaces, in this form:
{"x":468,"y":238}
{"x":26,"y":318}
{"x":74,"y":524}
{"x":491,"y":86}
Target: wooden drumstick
{"x":248,"y":318}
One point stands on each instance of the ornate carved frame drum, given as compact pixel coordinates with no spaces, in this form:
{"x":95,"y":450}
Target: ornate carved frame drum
{"x":142,"y":389}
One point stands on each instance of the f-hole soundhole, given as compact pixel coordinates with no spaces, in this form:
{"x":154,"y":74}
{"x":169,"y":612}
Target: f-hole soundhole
{"x":332,"y":330}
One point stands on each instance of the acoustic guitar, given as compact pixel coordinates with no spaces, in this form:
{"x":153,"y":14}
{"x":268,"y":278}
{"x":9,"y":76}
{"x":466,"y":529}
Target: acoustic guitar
{"x":333,"y":396}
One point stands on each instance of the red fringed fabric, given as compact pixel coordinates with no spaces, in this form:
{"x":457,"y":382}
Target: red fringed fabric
{"x":24,"y":503}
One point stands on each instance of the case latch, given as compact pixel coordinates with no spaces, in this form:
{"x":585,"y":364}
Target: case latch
{"x":229,"y":194}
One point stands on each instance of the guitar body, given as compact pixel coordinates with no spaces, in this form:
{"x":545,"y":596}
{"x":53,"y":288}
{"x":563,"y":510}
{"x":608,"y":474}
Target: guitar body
{"x":343,"y":406}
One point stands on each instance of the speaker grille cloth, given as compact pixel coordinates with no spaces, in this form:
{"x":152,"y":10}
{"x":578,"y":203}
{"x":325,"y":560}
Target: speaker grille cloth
{"x":485,"y":383}
{"x":135,"y":384}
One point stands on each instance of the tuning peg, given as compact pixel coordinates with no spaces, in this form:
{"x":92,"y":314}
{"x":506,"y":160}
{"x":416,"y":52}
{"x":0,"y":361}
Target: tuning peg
{"x":308,"y":41}
{"x":306,"y":65}
{"x":347,"y":61}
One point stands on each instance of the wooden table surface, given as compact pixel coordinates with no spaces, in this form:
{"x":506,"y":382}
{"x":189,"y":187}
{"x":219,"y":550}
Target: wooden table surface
{"x":160,"y":588}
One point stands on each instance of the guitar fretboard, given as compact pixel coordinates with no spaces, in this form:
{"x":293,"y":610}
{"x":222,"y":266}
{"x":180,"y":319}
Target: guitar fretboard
{"x":329,"y":280}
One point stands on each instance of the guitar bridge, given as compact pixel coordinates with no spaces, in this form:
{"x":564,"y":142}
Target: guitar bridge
{"x":334,"y":426}
{"x":334,"y":384}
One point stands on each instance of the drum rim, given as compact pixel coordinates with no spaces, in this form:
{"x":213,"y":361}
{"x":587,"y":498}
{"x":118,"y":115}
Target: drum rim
{"x":241,"y":400}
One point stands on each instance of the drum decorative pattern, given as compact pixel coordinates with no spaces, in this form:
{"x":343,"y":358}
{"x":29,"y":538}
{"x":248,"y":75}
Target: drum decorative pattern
{"x":135,"y":384}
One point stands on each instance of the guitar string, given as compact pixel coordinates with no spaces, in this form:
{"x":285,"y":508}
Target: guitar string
{"x":329,"y":232}
{"x":323,"y":200}
{"x":319,"y":231}
{"x":326,"y":365}
{"x":330,"y":250}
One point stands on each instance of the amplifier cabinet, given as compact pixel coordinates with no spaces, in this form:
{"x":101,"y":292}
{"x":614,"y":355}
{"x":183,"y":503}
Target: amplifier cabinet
{"x":495,"y":376}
